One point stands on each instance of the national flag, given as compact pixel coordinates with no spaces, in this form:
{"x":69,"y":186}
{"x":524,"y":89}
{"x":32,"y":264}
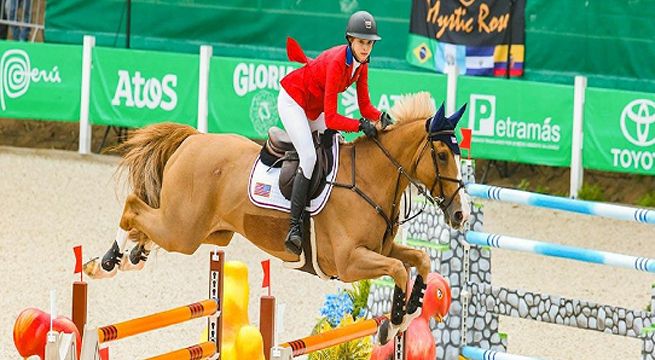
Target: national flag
{"x":450,"y":54}
{"x":480,"y":60}
{"x":516,"y":60}
{"x":263,"y":190}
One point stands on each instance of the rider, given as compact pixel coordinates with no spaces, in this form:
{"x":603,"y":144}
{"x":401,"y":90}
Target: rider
{"x":308,"y":102}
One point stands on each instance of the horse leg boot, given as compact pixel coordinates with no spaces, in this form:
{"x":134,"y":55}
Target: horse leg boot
{"x":137,"y":257}
{"x":388,"y":331}
{"x":299,"y":193}
{"x":111,"y":261}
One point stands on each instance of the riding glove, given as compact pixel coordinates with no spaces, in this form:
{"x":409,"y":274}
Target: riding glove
{"x":368,"y":128}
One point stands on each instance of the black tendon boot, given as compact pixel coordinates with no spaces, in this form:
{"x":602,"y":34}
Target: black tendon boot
{"x":416,"y":298}
{"x":294,"y":239}
{"x":398,"y":311}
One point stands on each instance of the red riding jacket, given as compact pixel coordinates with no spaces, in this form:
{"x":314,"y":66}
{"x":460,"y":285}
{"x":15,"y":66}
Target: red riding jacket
{"x":315,"y":86}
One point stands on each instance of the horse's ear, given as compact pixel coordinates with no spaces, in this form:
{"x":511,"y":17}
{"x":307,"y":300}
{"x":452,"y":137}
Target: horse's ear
{"x":435,"y":123}
{"x":454,"y":118}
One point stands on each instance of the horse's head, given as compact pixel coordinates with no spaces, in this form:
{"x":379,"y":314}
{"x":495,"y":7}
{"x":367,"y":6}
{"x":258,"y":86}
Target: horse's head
{"x":438,"y":166}
{"x":436,"y":163}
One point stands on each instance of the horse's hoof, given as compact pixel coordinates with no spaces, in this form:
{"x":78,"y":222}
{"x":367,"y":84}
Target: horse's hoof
{"x":408,"y":318}
{"x":386,"y":332}
{"x":128,"y":265}
{"x":93,"y":270}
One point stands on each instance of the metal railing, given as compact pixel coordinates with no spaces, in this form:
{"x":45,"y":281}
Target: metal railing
{"x":22,"y":20}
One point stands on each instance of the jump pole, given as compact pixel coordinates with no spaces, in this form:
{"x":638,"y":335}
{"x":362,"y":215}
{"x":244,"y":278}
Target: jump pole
{"x":195,"y":352}
{"x":289,"y":350}
{"x":93,"y":337}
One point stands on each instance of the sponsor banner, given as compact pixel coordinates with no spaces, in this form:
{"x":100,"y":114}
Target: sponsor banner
{"x":243,"y":95}
{"x":40,"y":81}
{"x":136,"y":88}
{"x":472,"y":34}
{"x":387,"y":86}
{"x":619,"y":131}
{"x":518,"y":121}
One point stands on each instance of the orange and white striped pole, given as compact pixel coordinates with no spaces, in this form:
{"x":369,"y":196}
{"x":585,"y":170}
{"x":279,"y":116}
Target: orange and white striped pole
{"x":195,"y":352}
{"x":327,"y":339}
{"x":156,"y":321}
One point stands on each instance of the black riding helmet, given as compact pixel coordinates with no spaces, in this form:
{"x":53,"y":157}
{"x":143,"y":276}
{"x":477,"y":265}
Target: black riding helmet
{"x":362,"y":25}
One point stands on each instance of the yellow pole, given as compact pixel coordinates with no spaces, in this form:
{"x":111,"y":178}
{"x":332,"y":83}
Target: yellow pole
{"x":156,"y":321}
{"x":334,"y":337}
{"x":195,"y":352}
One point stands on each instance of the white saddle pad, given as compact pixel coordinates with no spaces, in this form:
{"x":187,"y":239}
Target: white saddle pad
{"x":264,"y":190}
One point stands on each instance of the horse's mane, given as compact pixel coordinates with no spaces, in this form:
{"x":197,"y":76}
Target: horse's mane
{"x":411,"y":107}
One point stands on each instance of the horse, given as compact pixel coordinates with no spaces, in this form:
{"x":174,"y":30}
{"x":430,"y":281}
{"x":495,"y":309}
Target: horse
{"x":190,"y":188}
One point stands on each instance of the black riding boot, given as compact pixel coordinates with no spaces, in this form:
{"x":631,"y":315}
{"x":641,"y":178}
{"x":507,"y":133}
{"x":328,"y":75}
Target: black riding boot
{"x":294,"y":240}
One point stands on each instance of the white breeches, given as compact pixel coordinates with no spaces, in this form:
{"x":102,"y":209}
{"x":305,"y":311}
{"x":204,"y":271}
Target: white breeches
{"x":300,"y":130}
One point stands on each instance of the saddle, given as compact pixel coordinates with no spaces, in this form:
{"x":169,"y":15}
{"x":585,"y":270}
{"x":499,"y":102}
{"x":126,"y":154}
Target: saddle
{"x":279,"y":152}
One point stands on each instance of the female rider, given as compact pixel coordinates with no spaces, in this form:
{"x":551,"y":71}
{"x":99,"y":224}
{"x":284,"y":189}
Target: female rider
{"x":308,"y":102}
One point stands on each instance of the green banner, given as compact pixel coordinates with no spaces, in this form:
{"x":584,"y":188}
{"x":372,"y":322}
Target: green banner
{"x":619,"y":131}
{"x":40,"y":81}
{"x":243,"y":95}
{"x":135,"y":88}
{"x":517,"y":120}
{"x":387,"y":86}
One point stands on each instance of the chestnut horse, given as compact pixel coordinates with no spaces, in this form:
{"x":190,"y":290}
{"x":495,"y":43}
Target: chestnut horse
{"x":190,"y":189}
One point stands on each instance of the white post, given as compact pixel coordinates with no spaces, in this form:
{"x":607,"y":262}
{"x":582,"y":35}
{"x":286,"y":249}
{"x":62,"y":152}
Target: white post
{"x":451,"y":90}
{"x":577,"y":172}
{"x":203,"y":82}
{"x":85,"y":126}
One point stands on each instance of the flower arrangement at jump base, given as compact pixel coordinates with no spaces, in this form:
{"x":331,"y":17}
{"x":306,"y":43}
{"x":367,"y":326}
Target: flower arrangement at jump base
{"x":342,"y":309}
{"x":347,"y":307}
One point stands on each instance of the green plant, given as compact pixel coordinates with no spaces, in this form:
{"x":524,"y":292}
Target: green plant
{"x":591,"y":192}
{"x":542,"y":189}
{"x":524,"y":185}
{"x":359,"y":349}
{"x":647,"y":200}
{"x":359,"y":296}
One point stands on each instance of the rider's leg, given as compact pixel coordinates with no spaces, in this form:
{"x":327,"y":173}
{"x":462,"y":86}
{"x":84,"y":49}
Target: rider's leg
{"x":297,"y":126}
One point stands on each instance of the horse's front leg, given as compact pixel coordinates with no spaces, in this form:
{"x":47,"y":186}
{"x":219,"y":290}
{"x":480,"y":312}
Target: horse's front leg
{"x":421,"y":261}
{"x":361,"y":264}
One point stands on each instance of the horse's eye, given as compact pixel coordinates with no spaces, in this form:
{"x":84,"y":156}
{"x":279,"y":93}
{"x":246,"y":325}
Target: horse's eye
{"x":443,"y":156}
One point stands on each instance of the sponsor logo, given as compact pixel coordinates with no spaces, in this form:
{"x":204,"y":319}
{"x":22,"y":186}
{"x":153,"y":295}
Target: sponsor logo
{"x":368,"y":24}
{"x":350,"y":105}
{"x":263,"y":112}
{"x":17,"y":73}
{"x":638,"y":127}
{"x":251,"y":77}
{"x":422,"y":53}
{"x":487,"y":123}
{"x":137,"y":91}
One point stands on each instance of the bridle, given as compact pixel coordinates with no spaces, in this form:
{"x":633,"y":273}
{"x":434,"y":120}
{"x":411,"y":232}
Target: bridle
{"x":393,"y":219}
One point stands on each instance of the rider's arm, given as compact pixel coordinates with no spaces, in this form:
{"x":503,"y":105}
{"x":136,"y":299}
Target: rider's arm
{"x":333,"y":120}
{"x":363,"y":99}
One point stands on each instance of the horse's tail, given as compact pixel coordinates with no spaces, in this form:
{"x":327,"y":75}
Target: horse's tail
{"x":145,"y":154}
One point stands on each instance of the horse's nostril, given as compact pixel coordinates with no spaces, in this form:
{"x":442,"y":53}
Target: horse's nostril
{"x":459,"y":216}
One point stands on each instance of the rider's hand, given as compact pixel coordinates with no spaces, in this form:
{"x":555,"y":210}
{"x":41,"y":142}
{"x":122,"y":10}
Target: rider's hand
{"x":386,"y":120}
{"x":368,"y":128}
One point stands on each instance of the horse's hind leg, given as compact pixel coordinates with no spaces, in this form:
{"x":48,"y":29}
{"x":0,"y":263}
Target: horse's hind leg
{"x":116,"y":258}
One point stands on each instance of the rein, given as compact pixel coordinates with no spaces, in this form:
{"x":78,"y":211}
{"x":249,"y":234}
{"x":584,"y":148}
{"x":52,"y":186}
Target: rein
{"x":434,"y":200}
